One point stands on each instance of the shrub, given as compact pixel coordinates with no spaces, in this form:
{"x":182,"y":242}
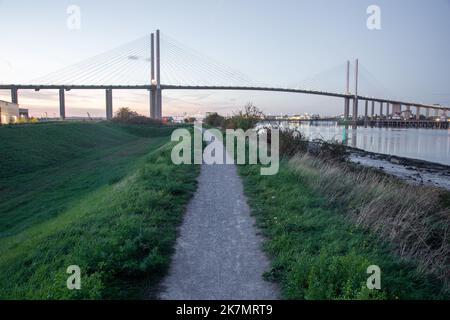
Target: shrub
{"x":125,"y":115}
{"x":330,"y":150}
{"x":246,"y":119}
{"x":215,"y":120}
{"x":292,"y":141}
{"x":190,"y":120}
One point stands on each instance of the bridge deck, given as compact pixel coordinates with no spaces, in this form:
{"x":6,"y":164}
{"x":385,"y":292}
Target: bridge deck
{"x":227,"y":88}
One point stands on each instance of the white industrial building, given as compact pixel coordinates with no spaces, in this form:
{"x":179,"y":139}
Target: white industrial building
{"x":9,"y":112}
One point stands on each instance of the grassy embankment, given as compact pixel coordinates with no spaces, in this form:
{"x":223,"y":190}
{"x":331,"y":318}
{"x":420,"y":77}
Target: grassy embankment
{"x":326,"y":222}
{"x":105,"y":197}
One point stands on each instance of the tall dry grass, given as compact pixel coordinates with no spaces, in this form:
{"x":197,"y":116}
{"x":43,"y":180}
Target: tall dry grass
{"x":410,"y":217}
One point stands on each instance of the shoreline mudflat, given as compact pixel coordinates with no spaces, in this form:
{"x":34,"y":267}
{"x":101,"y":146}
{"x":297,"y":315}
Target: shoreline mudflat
{"x":411,"y":170}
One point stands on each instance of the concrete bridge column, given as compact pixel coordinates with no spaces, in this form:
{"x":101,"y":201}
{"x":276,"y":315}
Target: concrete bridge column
{"x":14,"y":95}
{"x":62,"y":104}
{"x":381,"y":109}
{"x":417,"y":113}
{"x":427,"y":110}
{"x":366,"y":111}
{"x":109,"y":104}
{"x":153,"y":102}
{"x":355,"y":109}
{"x":373,"y":109}
{"x":160,"y":102}
{"x":346,"y":108}
{"x":388,"y":109}
{"x":396,"y":109}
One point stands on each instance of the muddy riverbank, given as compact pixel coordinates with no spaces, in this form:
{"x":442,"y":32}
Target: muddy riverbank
{"x":411,"y":170}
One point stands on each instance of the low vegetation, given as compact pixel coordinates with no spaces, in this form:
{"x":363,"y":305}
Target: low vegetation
{"x":412,"y":218}
{"x":127,"y":116}
{"x":327,"y":220}
{"x":105,"y":197}
{"x":320,"y":251}
{"x":245,"y":119}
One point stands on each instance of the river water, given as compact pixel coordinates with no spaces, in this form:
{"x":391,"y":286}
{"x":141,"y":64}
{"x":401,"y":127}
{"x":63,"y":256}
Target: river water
{"x":424,"y":144}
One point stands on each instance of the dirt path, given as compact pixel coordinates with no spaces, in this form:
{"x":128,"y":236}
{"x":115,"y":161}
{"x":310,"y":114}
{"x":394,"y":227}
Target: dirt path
{"x":218,"y":253}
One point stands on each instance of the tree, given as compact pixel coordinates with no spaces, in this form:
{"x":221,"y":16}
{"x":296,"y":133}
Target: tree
{"x":214,"y":120}
{"x":245,"y":119}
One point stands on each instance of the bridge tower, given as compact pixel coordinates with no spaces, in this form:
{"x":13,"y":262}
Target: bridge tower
{"x":155,"y":81}
{"x":152,"y":77}
{"x":158,"y":112}
{"x":347,"y":91}
{"x":355,"y":101}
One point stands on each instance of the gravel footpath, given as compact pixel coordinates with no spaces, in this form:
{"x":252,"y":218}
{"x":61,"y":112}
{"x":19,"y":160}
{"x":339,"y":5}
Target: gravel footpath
{"x":218,"y":252}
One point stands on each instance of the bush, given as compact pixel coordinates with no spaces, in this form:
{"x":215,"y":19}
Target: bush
{"x":190,"y":120}
{"x":215,"y":120}
{"x":245,"y":120}
{"x":331,"y":150}
{"x":125,"y":115}
{"x":292,"y":142}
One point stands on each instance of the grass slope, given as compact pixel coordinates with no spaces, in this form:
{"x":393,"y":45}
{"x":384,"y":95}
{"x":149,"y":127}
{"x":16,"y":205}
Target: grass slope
{"x":317,"y":253}
{"x":112,"y":209}
{"x":45,"y":167}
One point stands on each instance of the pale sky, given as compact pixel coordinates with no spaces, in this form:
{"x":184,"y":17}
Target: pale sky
{"x":279,"y":43}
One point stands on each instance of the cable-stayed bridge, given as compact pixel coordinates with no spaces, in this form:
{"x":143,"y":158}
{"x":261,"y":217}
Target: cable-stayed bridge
{"x":158,"y":62}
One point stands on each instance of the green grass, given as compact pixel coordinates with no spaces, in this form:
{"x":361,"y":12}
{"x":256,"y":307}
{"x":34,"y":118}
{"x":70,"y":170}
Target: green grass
{"x":105,"y":197}
{"x":317,"y":252}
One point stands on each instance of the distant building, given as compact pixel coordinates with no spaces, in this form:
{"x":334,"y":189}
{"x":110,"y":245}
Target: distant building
{"x":167,"y":120}
{"x":9,"y":112}
{"x":23,"y":113}
{"x":407,"y":114}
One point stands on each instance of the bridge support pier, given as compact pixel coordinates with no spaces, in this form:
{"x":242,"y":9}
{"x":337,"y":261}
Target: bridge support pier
{"x":14,"y":95}
{"x":62,"y":104}
{"x":153,"y":103}
{"x":427,"y":112}
{"x":366,"y":113}
{"x":372,"y":113}
{"x":417,"y":113}
{"x":396,"y":109}
{"x":109,"y":104}
{"x":381,"y":110}
{"x":388,"y":109}
{"x":346,"y":109}
{"x":355,"y":110}
{"x":160,"y":101}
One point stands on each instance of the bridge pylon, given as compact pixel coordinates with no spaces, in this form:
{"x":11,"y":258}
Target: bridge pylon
{"x":347,"y":91}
